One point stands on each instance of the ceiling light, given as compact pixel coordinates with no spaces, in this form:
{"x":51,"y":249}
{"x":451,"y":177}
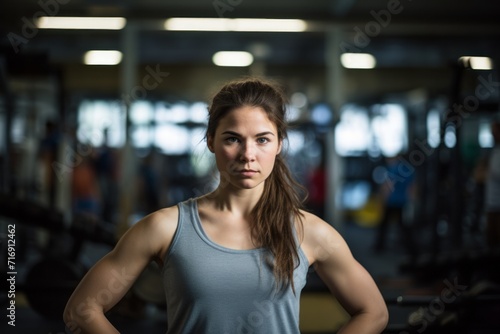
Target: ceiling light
{"x":358,"y":60}
{"x":94,"y":23}
{"x":198,"y":24}
{"x":477,"y":63}
{"x":102,"y":57}
{"x":242,"y":25}
{"x":232,"y":58}
{"x":270,"y":25}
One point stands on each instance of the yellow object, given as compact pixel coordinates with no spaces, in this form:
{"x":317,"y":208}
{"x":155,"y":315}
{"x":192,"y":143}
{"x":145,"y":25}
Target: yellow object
{"x":320,"y":312}
{"x":370,"y":214}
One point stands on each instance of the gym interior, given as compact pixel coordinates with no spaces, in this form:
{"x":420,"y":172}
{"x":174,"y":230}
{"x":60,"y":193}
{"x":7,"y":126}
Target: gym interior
{"x":103,"y":108}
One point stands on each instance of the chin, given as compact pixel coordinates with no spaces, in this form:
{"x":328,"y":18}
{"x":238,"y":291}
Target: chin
{"x":247,"y":184}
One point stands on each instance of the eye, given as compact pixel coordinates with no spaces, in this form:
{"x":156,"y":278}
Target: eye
{"x":262,"y":140}
{"x":231,"y":140}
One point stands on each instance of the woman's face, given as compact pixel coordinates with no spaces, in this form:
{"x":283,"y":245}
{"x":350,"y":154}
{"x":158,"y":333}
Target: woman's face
{"x":245,"y":145}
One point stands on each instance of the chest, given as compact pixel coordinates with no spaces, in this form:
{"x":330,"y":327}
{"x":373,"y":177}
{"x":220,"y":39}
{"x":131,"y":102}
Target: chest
{"x":227,"y":231}
{"x":206,"y":274}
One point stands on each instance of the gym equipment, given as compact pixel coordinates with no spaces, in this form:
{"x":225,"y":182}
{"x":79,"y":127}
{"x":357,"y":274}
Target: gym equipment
{"x":49,"y":284}
{"x":456,"y":310}
{"x":50,"y":281}
{"x":465,"y":263}
{"x":82,"y":226}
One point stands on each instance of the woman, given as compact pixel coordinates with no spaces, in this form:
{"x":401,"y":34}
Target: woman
{"x":234,"y":260}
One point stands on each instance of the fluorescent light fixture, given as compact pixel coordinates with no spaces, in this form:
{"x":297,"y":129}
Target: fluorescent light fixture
{"x":94,"y":23}
{"x":358,"y":60}
{"x":270,"y":25}
{"x":241,"y":25}
{"x":477,"y":63}
{"x":481,"y":63}
{"x":197,"y":24}
{"x":102,"y":57}
{"x":232,"y":58}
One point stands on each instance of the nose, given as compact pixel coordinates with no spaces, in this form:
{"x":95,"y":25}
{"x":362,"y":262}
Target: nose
{"x":247,"y":152}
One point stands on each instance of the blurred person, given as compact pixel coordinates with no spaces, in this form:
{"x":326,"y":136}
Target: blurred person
{"x":85,"y":188}
{"x":85,"y":199}
{"x":396,"y":193}
{"x":317,"y":183}
{"x":242,"y":249}
{"x":49,"y":146}
{"x":479,"y":175}
{"x":492,"y":185}
{"x":106,"y":173}
{"x":149,"y":186}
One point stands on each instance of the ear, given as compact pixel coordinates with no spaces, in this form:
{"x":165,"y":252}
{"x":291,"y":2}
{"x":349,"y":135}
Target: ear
{"x":280,"y":145}
{"x":210,"y":143}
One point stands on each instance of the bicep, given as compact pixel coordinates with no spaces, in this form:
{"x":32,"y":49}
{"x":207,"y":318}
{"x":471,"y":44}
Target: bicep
{"x":112,"y":276}
{"x":346,"y":278}
{"x":109,"y":279}
{"x":353,"y":286}
{"x":103,"y":285}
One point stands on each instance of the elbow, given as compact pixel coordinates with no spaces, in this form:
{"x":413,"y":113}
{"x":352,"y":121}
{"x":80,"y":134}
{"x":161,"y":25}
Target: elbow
{"x":70,"y":319}
{"x":74,"y":319}
{"x":378,"y":318}
{"x":382,"y":318}
{"x":82,"y":318}
{"x":67,"y":314}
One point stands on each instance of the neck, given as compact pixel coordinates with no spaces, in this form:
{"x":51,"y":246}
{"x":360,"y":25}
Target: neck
{"x":237,"y":201}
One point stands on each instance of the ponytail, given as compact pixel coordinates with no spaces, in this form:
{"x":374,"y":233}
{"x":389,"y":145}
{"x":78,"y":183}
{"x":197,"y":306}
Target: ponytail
{"x":274,"y":217}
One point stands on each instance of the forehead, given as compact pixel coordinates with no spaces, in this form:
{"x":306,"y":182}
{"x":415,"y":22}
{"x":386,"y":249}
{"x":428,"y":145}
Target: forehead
{"x":246,"y":119}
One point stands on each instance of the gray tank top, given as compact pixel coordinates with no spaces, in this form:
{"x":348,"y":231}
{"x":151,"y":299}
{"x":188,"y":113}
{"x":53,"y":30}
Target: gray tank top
{"x":213,"y":289}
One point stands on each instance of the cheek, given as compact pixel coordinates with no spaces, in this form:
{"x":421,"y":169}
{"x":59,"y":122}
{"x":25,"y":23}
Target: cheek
{"x":224,"y":160}
{"x":269,"y":158}
{"x":224,"y":154}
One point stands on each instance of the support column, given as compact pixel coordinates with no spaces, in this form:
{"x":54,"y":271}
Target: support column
{"x":63,"y":186}
{"x":7,"y":184}
{"x":335,"y":97}
{"x":456,"y":212}
{"x":127,"y":157}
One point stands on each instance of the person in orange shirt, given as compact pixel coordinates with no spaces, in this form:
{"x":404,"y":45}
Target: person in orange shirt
{"x":85,"y":188}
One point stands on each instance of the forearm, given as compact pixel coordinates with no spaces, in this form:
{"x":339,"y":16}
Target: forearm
{"x":364,"y":323}
{"x":92,"y":323}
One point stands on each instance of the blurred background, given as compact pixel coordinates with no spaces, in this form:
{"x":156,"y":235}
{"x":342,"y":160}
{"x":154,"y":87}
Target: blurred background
{"x":393,"y":106}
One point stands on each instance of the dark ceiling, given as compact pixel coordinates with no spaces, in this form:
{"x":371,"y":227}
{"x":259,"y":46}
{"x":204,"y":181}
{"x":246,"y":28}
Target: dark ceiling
{"x":424,"y":33}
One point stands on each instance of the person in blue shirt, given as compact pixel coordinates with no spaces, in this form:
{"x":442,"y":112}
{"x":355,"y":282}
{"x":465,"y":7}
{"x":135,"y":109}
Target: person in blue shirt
{"x":492,"y":195}
{"x":396,"y":192}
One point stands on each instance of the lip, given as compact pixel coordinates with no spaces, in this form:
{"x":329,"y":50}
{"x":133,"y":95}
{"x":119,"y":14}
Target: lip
{"x":247,"y":172}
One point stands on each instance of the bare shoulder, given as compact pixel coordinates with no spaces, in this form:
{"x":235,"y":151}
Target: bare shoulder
{"x":315,"y":227}
{"x":162,"y":223}
{"x":164,"y":220}
{"x":320,"y":239}
{"x":155,"y":232}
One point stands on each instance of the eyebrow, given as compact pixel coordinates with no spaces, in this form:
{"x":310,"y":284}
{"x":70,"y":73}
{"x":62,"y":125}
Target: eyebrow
{"x":257,"y":135}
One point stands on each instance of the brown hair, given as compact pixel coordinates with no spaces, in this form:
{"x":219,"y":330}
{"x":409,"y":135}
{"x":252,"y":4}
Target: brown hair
{"x":274,"y":215}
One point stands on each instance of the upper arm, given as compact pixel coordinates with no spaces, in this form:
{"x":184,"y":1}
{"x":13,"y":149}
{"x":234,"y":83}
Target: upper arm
{"x":112,"y":276}
{"x":349,"y":282}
